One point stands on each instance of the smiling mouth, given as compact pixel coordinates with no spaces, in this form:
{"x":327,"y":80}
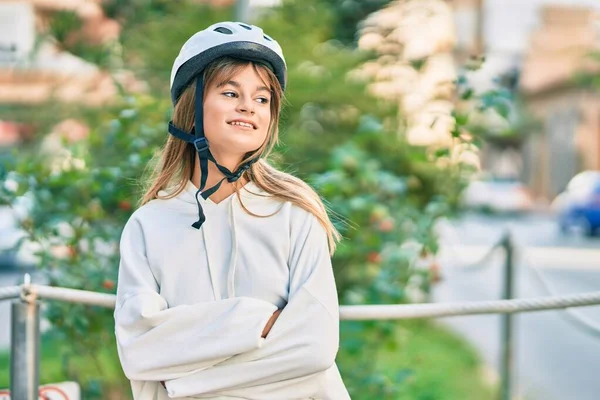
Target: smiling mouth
{"x":242,"y":124}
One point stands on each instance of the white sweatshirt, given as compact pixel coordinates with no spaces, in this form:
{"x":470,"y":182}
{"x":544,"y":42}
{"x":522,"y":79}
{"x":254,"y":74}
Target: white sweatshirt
{"x":192,"y":304}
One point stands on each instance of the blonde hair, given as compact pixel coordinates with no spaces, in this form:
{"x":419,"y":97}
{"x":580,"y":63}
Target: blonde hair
{"x":177,"y":159}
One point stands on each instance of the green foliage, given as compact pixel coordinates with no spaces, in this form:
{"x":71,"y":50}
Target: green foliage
{"x":63,"y":24}
{"x":79,"y":201}
{"x":417,"y":360}
{"x":388,"y":236}
{"x":152,"y":41}
{"x":94,"y":368}
{"x":325,"y":106}
{"x":65,"y":27}
{"x":501,"y":103}
{"x":390,"y":220}
{"x":349,"y":14}
{"x":135,"y":11}
{"x":589,"y":79}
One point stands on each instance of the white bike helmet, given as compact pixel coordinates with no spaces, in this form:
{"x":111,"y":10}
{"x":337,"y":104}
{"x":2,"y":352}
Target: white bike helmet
{"x":233,"y":39}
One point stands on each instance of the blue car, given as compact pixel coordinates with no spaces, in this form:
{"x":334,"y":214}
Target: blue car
{"x":578,"y":207}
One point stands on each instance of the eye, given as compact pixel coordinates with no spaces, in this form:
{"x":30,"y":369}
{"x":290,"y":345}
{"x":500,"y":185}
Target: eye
{"x":263,"y":100}
{"x":230,"y":94}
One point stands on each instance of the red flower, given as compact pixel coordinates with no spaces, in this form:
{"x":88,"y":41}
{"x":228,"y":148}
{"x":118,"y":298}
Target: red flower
{"x":72,"y":251}
{"x":387,"y":225}
{"x":108,"y":284}
{"x":125,"y":205}
{"x":374,"y":257}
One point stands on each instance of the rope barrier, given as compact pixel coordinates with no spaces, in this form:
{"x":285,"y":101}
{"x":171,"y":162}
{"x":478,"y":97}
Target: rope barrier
{"x":572,"y":316}
{"x":9,"y":292}
{"x":469,"y":265}
{"x":482,"y":262}
{"x":74,"y":296}
{"x":362,"y":312}
{"x":411,"y":311}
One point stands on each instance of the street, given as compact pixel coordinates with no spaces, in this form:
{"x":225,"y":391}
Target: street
{"x":555,"y":358}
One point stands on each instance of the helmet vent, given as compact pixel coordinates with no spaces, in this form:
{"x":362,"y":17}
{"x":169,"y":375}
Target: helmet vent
{"x":245,"y":27}
{"x":268,"y":38}
{"x":224,"y":30}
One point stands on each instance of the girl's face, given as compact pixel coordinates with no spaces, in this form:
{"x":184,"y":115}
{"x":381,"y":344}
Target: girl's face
{"x":237,"y":115}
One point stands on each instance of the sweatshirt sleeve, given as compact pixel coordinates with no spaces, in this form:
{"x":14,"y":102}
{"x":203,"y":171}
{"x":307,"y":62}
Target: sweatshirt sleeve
{"x":158,"y":343}
{"x":304,"y":340}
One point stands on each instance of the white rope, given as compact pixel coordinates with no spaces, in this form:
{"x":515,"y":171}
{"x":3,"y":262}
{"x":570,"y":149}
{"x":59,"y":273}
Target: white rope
{"x":467,"y":308}
{"x":74,"y":296}
{"x":471,"y":266}
{"x":10,"y":292}
{"x":363,"y":312}
{"x":452,"y":246}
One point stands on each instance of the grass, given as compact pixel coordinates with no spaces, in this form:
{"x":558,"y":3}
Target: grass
{"x":427,"y":363}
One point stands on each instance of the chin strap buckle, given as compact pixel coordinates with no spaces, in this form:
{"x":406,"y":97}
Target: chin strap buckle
{"x":201,"y":144}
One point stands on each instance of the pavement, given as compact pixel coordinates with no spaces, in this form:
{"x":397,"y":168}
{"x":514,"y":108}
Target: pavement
{"x":554,"y":358}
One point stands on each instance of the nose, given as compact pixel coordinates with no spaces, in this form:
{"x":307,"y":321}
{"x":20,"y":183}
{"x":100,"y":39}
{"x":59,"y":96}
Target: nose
{"x":245,"y":105}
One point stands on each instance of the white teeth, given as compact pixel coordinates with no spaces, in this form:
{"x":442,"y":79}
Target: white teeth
{"x":242,"y":124}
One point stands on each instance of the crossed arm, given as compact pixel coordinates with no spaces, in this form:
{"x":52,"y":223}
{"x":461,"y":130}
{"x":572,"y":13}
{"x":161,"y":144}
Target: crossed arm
{"x":219,"y":346}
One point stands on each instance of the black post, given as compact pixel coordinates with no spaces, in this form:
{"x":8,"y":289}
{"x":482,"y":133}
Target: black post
{"x":506,"y":356}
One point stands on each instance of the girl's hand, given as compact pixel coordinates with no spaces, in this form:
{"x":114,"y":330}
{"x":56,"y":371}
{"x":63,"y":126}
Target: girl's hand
{"x":270,"y":323}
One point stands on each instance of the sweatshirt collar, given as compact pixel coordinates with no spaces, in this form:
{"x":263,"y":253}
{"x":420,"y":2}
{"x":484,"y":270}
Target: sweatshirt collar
{"x":247,"y":191}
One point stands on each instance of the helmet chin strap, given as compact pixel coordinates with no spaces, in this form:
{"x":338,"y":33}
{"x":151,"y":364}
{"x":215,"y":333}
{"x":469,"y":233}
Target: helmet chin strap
{"x":199,"y":141}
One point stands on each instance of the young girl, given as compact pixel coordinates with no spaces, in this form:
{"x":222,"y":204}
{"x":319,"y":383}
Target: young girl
{"x":225,"y":286}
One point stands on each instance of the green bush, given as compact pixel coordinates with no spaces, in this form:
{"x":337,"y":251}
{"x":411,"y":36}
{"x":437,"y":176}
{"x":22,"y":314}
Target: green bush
{"x":80,"y":201}
{"x":424,"y":361}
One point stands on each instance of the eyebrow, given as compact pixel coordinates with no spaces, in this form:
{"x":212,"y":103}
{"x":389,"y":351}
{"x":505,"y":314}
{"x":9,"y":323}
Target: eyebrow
{"x":237,"y":85}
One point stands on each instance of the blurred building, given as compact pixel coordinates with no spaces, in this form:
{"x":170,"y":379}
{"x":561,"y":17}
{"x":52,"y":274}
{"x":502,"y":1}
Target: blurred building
{"x":34,"y":69}
{"x":541,"y":44}
{"x":570,"y":113}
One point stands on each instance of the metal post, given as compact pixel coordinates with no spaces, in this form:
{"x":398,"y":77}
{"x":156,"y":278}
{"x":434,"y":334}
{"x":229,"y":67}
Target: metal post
{"x":506,"y":356}
{"x":242,"y":10}
{"x":24,"y":354}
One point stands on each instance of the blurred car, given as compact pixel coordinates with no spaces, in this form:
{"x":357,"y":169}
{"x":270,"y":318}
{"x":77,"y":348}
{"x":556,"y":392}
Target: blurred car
{"x":504,"y":195}
{"x":578,"y":207}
